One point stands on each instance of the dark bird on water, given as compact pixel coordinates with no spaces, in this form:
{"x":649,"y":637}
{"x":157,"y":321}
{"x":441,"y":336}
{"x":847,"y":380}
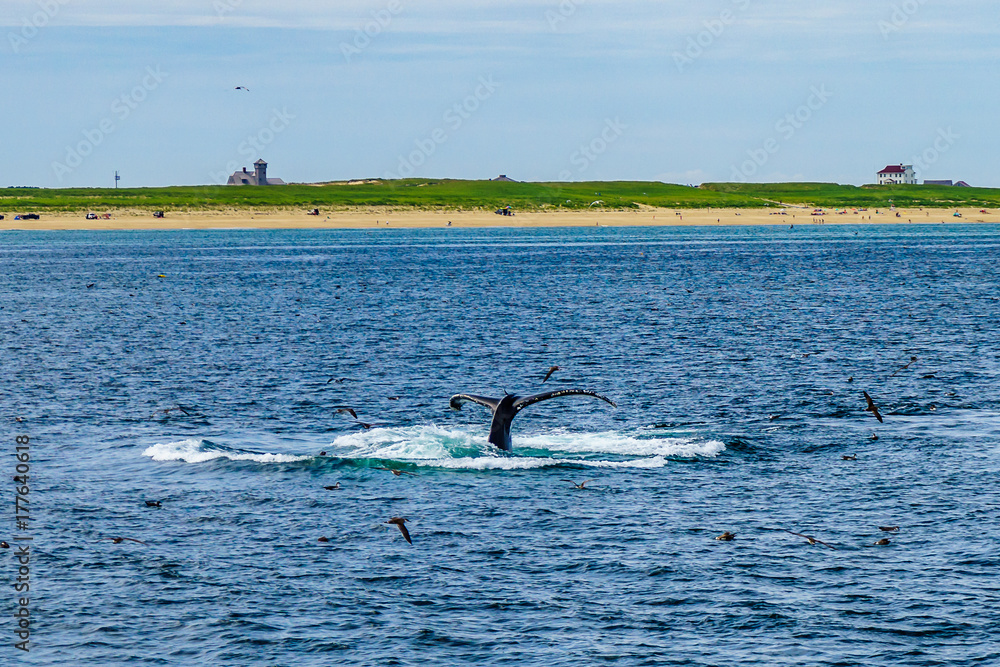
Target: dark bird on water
{"x":323,"y":539}
{"x":889,"y":529}
{"x":335,"y":487}
{"x":399,"y":521}
{"x":850,"y":457}
{"x":726,"y":537}
{"x":119,"y":540}
{"x":335,"y":380}
{"x":884,"y":541}
{"x":153,"y":503}
{"x":581,"y":485}
{"x":812,"y":540}
{"x":551,"y":371}
{"x":322,"y":453}
{"x":872,"y":408}
{"x":506,"y":408}
{"x":4,"y":545}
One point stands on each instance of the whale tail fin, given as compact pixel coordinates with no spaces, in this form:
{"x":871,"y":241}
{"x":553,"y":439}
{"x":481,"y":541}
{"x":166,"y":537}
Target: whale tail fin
{"x":505,"y":409}
{"x":459,"y":399}
{"x":522,"y":403}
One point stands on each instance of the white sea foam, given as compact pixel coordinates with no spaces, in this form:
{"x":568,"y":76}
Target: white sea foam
{"x":458,"y":449}
{"x":433,"y":446}
{"x":193,"y":450}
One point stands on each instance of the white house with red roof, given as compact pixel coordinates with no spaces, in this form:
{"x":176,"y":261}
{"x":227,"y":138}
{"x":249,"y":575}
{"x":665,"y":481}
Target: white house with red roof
{"x":897,"y":174}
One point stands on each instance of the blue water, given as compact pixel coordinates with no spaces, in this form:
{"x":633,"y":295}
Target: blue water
{"x":737,"y":358}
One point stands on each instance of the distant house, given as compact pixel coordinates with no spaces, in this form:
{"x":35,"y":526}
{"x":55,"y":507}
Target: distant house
{"x":257,"y":177}
{"x":503,"y":177}
{"x":957,"y":184}
{"x":897,"y":174}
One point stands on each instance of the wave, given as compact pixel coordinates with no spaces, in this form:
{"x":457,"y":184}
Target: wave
{"x":436,"y":447}
{"x":194,"y":450}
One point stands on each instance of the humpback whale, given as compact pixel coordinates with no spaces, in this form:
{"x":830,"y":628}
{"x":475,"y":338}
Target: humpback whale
{"x":506,"y":408}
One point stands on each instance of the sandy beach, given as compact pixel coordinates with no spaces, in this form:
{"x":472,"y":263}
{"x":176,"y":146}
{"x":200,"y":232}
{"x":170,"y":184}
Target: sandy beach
{"x":370,"y":219}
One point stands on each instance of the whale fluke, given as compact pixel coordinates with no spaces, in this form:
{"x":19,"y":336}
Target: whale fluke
{"x":506,"y":408}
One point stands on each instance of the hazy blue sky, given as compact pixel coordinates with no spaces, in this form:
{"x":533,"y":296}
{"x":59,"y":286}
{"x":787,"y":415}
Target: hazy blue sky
{"x":683,"y":92}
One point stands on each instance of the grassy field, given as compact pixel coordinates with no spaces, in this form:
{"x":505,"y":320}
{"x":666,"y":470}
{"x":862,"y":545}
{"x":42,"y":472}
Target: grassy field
{"x":479,"y":195}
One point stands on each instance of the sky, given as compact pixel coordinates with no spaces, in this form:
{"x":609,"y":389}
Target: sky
{"x":571,"y":90}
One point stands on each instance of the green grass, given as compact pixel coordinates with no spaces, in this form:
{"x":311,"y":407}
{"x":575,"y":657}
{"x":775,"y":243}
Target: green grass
{"x":831,"y":195}
{"x":488,"y":195}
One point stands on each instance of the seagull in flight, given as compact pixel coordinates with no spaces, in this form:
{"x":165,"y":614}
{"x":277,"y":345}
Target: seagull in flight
{"x":872,"y":408}
{"x":119,"y":540}
{"x":582,"y":485}
{"x":903,"y":368}
{"x":812,"y":540}
{"x":551,"y":371}
{"x":395,"y":472}
{"x":399,"y":521}
{"x":243,"y":88}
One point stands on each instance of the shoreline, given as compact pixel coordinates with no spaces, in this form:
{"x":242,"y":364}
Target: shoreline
{"x":413,"y":219}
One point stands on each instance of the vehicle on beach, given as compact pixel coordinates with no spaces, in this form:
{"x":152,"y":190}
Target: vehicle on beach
{"x":27,"y":216}
{"x":157,"y":214}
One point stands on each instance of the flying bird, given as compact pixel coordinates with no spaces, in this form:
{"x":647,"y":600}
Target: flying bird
{"x":342,"y":409}
{"x":580,"y":486}
{"x":395,"y":472}
{"x":812,"y":540}
{"x":872,"y":408}
{"x":167,"y":411}
{"x":903,"y":368}
{"x":243,"y":88}
{"x":399,"y":521}
{"x":119,"y":540}
{"x":551,"y":371}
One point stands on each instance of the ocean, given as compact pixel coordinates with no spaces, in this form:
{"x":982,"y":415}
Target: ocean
{"x":215,"y":372}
